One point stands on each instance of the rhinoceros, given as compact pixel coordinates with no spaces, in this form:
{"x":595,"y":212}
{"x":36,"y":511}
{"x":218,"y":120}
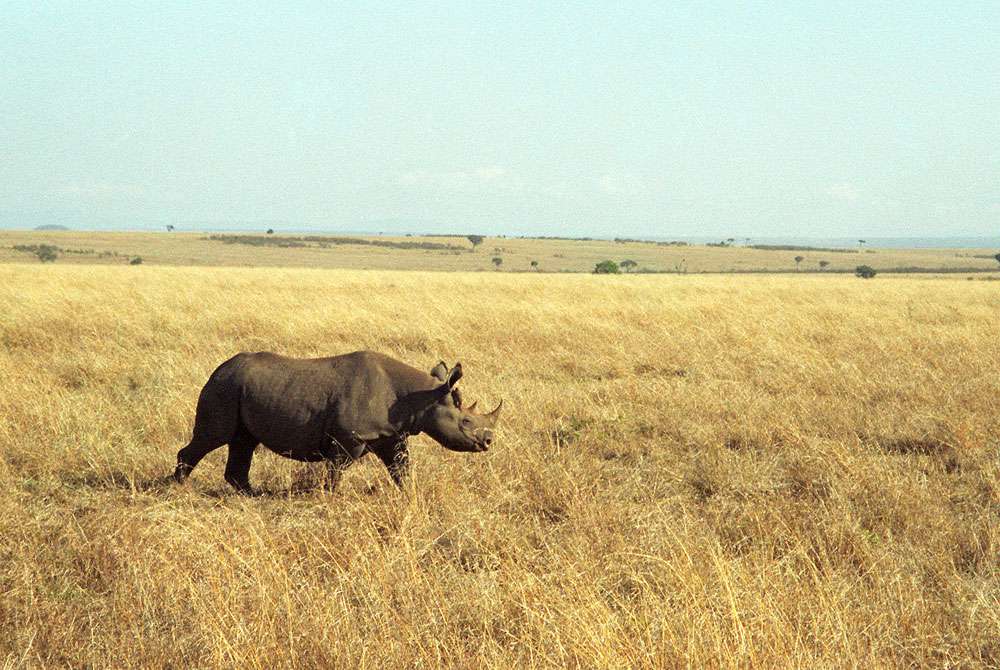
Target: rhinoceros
{"x":334,"y":409}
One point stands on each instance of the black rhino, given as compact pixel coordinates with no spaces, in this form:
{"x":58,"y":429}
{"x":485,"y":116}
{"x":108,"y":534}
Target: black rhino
{"x":333,"y":409}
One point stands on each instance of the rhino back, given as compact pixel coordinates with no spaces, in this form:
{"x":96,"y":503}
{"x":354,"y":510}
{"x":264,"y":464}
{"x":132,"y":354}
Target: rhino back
{"x":296,"y":406}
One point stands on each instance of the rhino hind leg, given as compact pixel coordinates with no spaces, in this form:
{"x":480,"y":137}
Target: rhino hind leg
{"x":215,"y":424}
{"x":241,"y":449}
{"x":189,"y":456}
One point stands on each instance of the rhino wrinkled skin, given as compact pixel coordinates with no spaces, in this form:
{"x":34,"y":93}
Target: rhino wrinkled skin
{"x":333,"y":409}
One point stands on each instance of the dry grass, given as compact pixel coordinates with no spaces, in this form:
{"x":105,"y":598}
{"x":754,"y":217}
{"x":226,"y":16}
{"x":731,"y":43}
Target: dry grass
{"x":551,"y":255}
{"x":692,"y":471}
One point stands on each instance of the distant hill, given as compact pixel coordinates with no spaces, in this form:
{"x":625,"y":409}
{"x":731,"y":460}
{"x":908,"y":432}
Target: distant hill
{"x":51,"y":226}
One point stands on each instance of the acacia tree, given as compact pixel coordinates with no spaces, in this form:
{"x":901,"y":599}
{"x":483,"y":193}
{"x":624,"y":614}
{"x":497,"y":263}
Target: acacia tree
{"x":475,"y":240}
{"x":497,"y":261}
{"x":798,"y":261}
{"x":823,"y":264}
{"x":170,"y":227}
{"x":628,"y":265}
{"x":997,"y":257}
{"x":534,"y":265}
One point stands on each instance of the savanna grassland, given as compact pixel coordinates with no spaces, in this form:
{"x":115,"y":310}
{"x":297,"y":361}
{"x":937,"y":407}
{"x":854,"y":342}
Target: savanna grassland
{"x":691,"y":471}
{"x":457,"y":254}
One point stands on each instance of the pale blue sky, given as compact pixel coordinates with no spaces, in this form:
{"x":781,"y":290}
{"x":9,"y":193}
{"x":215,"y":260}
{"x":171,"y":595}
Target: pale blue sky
{"x":603,"y":119}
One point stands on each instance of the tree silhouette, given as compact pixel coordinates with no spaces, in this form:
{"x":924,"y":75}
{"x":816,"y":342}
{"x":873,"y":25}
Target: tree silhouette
{"x":823,"y":264}
{"x":170,"y":228}
{"x":476,"y":240}
{"x":534,"y":265}
{"x":798,"y":260}
{"x":497,"y":261}
{"x":628,"y":265}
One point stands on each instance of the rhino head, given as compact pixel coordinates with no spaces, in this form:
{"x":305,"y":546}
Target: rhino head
{"x":451,"y":424}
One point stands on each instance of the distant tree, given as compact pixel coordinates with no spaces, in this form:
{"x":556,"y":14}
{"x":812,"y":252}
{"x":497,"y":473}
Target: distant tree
{"x":997,"y":257}
{"x":270,"y":231}
{"x":823,"y":264}
{"x":170,"y":228}
{"x":497,"y":261}
{"x":606,"y":268}
{"x":862,"y":243}
{"x":136,"y":261}
{"x":731,"y":240}
{"x":475,"y":240}
{"x":534,"y":265}
{"x":798,"y":261}
{"x":47,"y":253}
{"x":865,"y":271}
{"x":628,"y":265}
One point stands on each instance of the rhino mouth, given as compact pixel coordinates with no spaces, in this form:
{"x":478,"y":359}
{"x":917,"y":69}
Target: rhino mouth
{"x":477,"y":443}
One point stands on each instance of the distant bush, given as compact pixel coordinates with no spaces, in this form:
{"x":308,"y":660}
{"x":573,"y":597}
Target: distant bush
{"x":823,"y":264}
{"x":136,"y":261}
{"x":997,"y":257}
{"x":497,"y":261}
{"x":606,"y":268}
{"x":46,"y":253}
{"x":475,"y":240}
{"x":628,"y":265}
{"x":865,"y":271}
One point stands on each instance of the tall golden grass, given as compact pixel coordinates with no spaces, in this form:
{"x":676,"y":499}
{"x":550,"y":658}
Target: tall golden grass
{"x":691,"y":471}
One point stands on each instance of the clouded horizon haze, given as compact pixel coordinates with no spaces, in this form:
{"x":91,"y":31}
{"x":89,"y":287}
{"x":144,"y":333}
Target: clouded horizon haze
{"x":580,"y":119}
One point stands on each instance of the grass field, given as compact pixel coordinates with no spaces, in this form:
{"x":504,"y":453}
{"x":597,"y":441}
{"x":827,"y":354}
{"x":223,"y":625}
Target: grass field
{"x":177,"y":248}
{"x":692,"y":471}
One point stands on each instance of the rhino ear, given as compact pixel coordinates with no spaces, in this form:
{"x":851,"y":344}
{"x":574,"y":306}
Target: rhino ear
{"x":440,"y":371}
{"x":454,"y":376}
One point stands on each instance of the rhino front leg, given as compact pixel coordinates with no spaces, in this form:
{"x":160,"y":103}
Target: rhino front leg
{"x":336,"y":463}
{"x":397,"y":461}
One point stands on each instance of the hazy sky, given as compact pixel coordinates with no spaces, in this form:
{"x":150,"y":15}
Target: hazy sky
{"x":633,"y":119}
